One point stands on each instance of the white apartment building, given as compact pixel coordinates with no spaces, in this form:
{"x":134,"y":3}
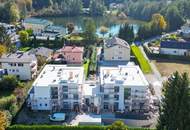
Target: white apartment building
{"x":57,"y":87}
{"x":23,"y":65}
{"x":124,"y":88}
{"x":60,"y":87}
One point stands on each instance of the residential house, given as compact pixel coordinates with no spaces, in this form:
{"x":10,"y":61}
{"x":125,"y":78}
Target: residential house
{"x":41,"y":51}
{"x":37,"y":25}
{"x":70,"y":54}
{"x":116,"y":49}
{"x":23,"y":65}
{"x":185,"y":30}
{"x":124,"y":88}
{"x":180,"y":48}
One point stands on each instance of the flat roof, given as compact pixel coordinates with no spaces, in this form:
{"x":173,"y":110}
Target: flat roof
{"x":129,"y":75}
{"x":57,"y":74}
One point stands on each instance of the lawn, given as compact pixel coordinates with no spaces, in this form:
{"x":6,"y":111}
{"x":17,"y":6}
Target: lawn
{"x":24,"y":49}
{"x":76,"y":38}
{"x":86,"y":67}
{"x":144,"y":64}
{"x":167,"y":67}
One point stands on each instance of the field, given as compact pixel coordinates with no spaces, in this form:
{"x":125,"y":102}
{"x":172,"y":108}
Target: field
{"x":144,"y":64}
{"x":168,"y":67}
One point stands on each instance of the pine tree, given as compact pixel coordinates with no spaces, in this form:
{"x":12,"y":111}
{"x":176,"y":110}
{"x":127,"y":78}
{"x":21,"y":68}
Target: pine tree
{"x":175,"y":107}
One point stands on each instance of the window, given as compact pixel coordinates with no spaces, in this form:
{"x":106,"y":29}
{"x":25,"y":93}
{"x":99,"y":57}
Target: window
{"x":75,"y":96}
{"x":17,"y":70}
{"x":40,"y":104}
{"x":106,"y":97}
{"x":116,"y":89}
{"x":46,"y":105}
{"x":116,"y":106}
{"x":175,"y":51}
{"x":116,"y":97}
{"x":13,"y":70}
{"x":101,"y":89}
{"x":112,"y":57}
{"x":14,"y":64}
{"x":20,"y":64}
{"x":106,"y":105}
{"x":65,"y":96}
{"x":119,"y":58}
{"x":73,"y":58}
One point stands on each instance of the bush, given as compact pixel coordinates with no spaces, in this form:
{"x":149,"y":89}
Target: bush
{"x":6,"y":102}
{"x":59,"y":127}
{"x":8,"y":82}
{"x":144,"y":64}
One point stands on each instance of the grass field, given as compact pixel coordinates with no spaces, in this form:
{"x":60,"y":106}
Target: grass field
{"x":168,"y":67}
{"x":86,"y":67}
{"x":144,"y":64}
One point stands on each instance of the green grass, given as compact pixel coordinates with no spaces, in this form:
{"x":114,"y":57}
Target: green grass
{"x":144,"y":64}
{"x":86,"y":67}
{"x":74,"y":38}
{"x":24,"y":49}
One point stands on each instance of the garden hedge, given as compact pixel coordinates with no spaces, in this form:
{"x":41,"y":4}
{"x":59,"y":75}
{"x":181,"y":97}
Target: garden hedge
{"x":59,"y":127}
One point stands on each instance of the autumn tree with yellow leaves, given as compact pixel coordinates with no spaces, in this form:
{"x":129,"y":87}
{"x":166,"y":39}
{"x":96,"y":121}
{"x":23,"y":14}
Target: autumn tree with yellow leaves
{"x":3,"y":120}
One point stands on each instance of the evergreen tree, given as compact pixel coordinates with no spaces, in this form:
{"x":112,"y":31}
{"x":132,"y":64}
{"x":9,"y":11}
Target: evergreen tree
{"x":175,"y":107}
{"x":126,"y":32}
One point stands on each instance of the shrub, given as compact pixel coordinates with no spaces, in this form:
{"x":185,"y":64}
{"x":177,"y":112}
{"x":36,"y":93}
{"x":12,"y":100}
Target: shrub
{"x":59,"y":127}
{"x":8,"y":82}
{"x":6,"y":102}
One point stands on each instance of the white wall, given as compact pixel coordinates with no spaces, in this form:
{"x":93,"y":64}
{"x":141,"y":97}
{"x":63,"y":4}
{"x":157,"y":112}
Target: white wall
{"x":168,"y":51}
{"x":24,"y":71}
{"x":113,"y":53}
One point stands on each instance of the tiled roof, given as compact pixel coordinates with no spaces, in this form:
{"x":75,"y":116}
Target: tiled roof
{"x":116,"y":41}
{"x":175,"y":44}
{"x":72,"y":49}
{"x":42,"y":51}
{"x":18,"y":57}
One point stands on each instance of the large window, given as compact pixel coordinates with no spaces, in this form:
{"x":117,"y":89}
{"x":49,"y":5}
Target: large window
{"x":65,"y":96}
{"x":116,"y":89}
{"x":127,"y":93}
{"x":116,"y":97}
{"x":54,"y":92}
{"x":106,"y":97}
{"x":76,"y":96}
{"x":106,"y":105}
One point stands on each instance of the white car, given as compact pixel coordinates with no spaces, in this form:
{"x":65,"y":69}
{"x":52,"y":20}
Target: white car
{"x":57,"y":117}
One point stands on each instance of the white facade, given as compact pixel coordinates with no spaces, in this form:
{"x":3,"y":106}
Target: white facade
{"x":22,"y":65}
{"x":57,"y":87}
{"x":171,"y":51}
{"x":116,"y":49}
{"x":124,"y":88}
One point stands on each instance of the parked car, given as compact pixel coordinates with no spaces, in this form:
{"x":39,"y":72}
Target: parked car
{"x":57,"y":117}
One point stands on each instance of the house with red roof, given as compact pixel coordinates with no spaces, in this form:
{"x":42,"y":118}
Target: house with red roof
{"x":70,"y":55}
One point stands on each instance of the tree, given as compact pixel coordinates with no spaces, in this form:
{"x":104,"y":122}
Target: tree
{"x":3,"y":49}
{"x":118,"y":125}
{"x":175,"y":20}
{"x":90,"y":31}
{"x":4,"y":38}
{"x":13,"y":11}
{"x":103,"y":30}
{"x":70,"y":28}
{"x":126,"y":33}
{"x":97,"y":7}
{"x":174,"y":111}
{"x":24,"y":36}
{"x":159,"y":21}
{"x":8,"y":82}
{"x":3,"y":120}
